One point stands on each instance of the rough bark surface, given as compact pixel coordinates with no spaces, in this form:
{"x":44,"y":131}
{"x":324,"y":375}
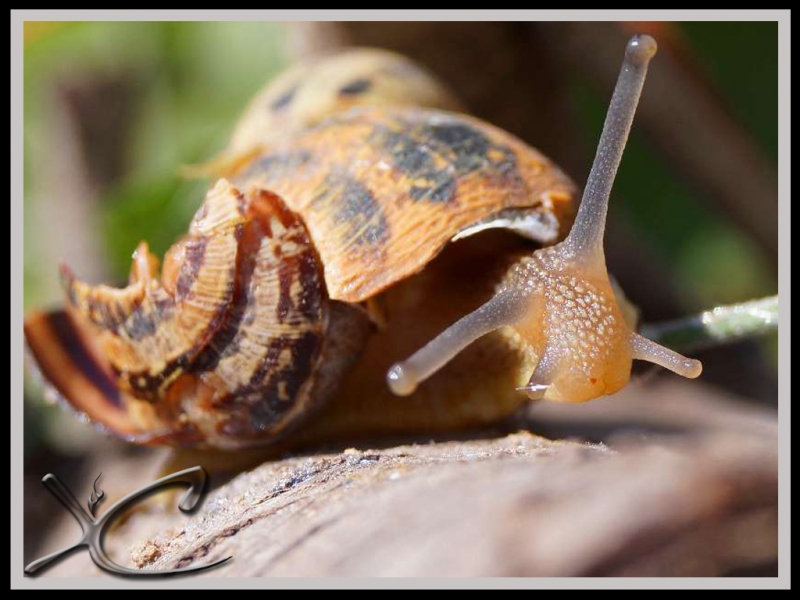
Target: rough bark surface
{"x":677,"y":481}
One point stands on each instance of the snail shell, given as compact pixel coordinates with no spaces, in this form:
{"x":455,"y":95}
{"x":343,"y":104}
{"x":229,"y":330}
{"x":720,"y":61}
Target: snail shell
{"x":383,"y":190}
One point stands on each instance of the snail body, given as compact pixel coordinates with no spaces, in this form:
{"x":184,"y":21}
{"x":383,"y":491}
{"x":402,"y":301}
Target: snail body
{"x":338,"y":242}
{"x":560,"y":299}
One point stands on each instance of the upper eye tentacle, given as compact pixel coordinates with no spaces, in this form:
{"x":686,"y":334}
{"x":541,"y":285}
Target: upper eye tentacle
{"x":586,"y":236}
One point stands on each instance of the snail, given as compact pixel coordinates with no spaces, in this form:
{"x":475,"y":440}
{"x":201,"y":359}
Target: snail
{"x":343,"y":234}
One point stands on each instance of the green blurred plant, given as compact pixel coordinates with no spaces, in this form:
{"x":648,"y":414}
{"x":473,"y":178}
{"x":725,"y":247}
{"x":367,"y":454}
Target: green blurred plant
{"x":192,"y":81}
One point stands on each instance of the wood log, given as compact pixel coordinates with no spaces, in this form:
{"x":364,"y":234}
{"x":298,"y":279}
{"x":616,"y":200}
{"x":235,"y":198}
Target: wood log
{"x":660,"y":480}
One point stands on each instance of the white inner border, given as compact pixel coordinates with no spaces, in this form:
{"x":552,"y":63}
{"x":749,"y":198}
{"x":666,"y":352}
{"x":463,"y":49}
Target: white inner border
{"x":783,"y":17}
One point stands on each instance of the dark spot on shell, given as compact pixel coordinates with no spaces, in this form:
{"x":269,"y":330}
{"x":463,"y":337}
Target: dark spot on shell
{"x":355,"y":87}
{"x":285,"y":301}
{"x":304,"y":350}
{"x":466,"y":141}
{"x":354,"y":205}
{"x":99,"y":313}
{"x":470,"y":147}
{"x":140,"y":325}
{"x":437,"y":152}
{"x":304,"y":269}
{"x":276,"y":346}
{"x":416,"y":160}
{"x":442,"y":189}
{"x":284,"y":99}
{"x":309,"y":303}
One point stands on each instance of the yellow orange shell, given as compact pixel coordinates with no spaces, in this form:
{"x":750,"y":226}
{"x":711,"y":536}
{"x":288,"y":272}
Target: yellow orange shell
{"x":382,"y":191}
{"x":319,"y":87}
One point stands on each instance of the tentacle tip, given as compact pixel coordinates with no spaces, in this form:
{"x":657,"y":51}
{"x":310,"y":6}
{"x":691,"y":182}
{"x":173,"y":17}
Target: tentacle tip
{"x":641,"y":48}
{"x":692,"y":368}
{"x":400,"y":381}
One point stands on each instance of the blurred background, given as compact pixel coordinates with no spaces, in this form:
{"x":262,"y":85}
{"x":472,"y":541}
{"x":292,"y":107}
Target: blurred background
{"x":113,"y":110}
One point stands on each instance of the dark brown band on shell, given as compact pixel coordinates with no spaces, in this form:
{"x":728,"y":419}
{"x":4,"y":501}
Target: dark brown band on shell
{"x":73,"y":370}
{"x":71,"y":365}
{"x":261,"y":363}
{"x":150,"y":335}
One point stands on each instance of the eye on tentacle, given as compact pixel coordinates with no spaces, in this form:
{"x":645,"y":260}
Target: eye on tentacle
{"x":560,"y":299}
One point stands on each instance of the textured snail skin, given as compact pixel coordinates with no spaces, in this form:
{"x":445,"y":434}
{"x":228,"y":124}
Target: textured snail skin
{"x":560,"y":300}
